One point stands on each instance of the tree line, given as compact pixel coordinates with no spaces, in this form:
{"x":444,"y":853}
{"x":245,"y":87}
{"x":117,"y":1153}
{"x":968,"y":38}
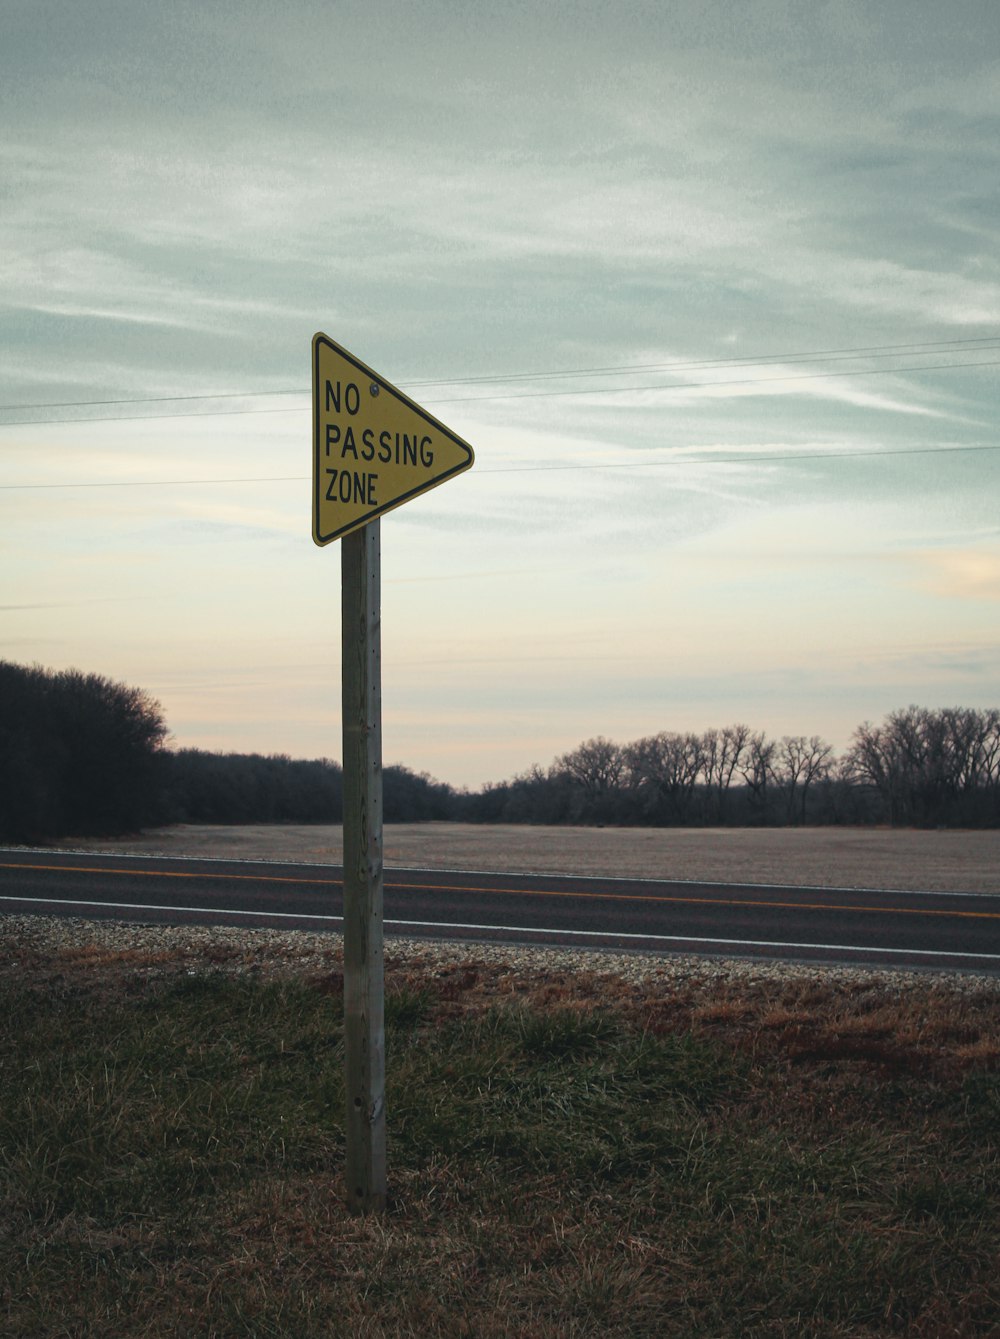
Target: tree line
{"x":920,"y":768}
{"x":79,"y":754}
{"x":204,"y":787}
{"x":82,"y":755}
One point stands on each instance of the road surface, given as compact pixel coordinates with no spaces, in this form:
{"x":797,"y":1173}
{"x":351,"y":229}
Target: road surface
{"x":952,"y":931}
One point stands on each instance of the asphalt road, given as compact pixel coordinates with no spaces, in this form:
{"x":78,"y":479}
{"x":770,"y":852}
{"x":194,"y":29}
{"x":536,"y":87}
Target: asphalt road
{"x":952,"y":931}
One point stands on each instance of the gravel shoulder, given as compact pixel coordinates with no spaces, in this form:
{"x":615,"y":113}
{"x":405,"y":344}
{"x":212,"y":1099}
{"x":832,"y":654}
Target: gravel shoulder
{"x":66,"y":950}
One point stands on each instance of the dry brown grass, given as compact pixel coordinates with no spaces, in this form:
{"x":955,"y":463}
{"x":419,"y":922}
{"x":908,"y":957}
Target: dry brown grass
{"x":573,"y":1152}
{"x":953,"y":861}
{"x":686,"y":1148}
{"x":920,"y":1019}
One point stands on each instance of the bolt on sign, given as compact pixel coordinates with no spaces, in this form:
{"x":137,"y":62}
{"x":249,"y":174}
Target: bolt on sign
{"x":373,"y":447}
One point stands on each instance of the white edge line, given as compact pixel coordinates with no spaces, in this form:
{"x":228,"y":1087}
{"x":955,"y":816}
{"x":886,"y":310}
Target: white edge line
{"x":505,"y":873}
{"x":507,"y":929}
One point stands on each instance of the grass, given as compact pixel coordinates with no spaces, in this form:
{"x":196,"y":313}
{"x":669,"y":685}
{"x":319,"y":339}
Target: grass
{"x":570,"y":1156}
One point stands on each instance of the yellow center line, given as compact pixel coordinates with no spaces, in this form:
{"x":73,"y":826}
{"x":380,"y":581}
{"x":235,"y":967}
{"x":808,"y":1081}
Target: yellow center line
{"x":525,"y":892}
{"x":698,"y":901}
{"x":167,"y":873}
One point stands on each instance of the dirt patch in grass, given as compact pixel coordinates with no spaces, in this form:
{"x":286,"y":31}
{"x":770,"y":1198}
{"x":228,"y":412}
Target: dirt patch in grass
{"x":952,"y":861}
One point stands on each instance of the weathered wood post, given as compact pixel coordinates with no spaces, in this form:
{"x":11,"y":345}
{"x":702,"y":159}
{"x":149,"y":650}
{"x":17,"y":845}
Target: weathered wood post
{"x":364,"y":1020}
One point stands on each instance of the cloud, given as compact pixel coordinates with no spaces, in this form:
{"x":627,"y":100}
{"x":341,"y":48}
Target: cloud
{"x":971,"y":573}
{"x":191,"y":191}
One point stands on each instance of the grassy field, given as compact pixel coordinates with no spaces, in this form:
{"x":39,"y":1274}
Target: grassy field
{"x":571,"y":1153}
{"x":956,"y":861}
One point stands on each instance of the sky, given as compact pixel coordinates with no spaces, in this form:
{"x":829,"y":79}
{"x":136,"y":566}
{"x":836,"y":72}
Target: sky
{"x":713,"y":291}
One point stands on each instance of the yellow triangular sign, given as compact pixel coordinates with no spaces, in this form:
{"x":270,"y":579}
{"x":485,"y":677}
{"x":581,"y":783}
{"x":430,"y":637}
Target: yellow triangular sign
{"x":373,"y":447}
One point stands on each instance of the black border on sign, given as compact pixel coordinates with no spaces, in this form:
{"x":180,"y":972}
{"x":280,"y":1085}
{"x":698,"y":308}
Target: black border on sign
{"x":384,"y":386}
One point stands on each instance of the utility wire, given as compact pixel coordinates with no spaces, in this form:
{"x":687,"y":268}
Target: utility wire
{"x":530,"y":395}
{"x":870,"y":351}
{"x":737,"y":360}
{"x":710,"y":385}
{"x":150,"y":399}
{"x":543,"y":469}
{"x":738,"y":460}
{"x":151,"y":418}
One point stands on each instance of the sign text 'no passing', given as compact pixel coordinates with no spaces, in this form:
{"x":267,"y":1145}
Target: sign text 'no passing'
{"x":373,"y":447}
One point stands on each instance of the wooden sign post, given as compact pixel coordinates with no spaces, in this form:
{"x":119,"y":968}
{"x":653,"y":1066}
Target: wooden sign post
{"x":373,"y":449}
{"x":364,"y":1023}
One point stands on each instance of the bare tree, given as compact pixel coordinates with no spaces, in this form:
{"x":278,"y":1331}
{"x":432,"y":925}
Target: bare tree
{"x":597,"y":765}
{"x":802,"y":762}
{"x":756,"y":767}
{"x":929,"y":766}
{"x":871,"y":761}
{"x":664,"y":769}
{"x":723,"y":750}
{"x":989,"y":752}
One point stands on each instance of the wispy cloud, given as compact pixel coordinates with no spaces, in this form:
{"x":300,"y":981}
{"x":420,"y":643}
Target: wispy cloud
{"x":191,"y":191}
{"x":970,"y":573}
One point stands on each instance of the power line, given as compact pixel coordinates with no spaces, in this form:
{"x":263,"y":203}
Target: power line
{"x":544,"y":469}
{"x":529,"y":395}
{"x":147,"y":418}
{"x":165,"y":483}
{"x":150,"y":399}
{"x":739,"y":460}
{"x":710,"y":385}
{"x":737,"y":360}
{"x":870,"y":351}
